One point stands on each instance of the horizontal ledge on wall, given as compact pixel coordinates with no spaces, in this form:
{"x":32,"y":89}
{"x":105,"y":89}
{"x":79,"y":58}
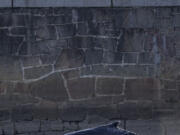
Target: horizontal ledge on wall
{"x":62,"y":3}
{"x":89,"y":3}
{"x":145,"y":3}
{"x":5,"y":3}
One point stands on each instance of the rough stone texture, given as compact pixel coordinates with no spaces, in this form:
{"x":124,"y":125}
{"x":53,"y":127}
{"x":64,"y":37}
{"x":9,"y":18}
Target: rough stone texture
{"x":146,"y":127}
{"x":71,"y":74}
{"x":50,"y":88}
{"x":30,"y":61}
{"x":109,"y":86}
{"x":46,"y":110}
{"x":130,"y":110}
{"x":142,"y":89}
{"x":55,"y":125}
{"x":7,"y":128}
{"x":10,"y":68}
{"x":70,"y":58}
{"x":81,"y":88}
{"x":73,"y":113}
{"x":171,"y":126}
{"x":26,"y":127}
{"x":36,"y":72}
{"x":69,"y":68}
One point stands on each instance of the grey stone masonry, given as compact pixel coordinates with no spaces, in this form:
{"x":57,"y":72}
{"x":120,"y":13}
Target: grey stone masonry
{"x":65,"y":69}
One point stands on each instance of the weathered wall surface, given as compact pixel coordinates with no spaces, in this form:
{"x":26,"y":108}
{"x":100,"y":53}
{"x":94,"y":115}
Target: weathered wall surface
{"x":63,"y":69}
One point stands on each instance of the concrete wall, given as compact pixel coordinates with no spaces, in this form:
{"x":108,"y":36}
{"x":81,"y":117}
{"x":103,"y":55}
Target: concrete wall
{"x":88,"y":3}
{"x":63,"y":69}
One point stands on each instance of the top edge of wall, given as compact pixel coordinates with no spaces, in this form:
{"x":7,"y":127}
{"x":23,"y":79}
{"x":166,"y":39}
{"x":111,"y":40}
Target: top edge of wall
{"x":89,"y":3}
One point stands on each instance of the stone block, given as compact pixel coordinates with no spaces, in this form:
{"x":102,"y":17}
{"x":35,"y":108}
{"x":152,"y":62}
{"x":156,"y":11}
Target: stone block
{"x":21,"y":31}
{"x":71,"y":74}
{"x":51,"y":88}
{"x":143,"y":20}
{"x":96,"y":120}
{"x":73,"y":113}
{"x":22,"y":113}
{"x":177,"y":48}
{"x":131,"y":41}
{"x":118,"y":57}
{"x":170,"y":96}
{"x":109,"y":86}
{"x":28,"y":126}
{"x":49,"y":58}
{"x":164,"y":22}
{"x":169,"y":84}
{"x":84,"y":124}
{"x":171,"y":125}
{"x":130,"y":57}
{"x":51,"y":125}
{"x":36,"y":72}
{"x":23,"y":49}
{"x":19,"y":20}
{"x":138,"y":89}
{"x":146,"y":58}
{"x":10,"y":68}
{"x":45,"y":125}
{"x":108,"y":112}
{"x":3,"y":87}
{"x":108,"y":57}
{"x":61,"y":19}
{"x":81,"y":42}
{"x":67,"y":30}
{"x":56,"y":125}
{"x":109,"y":44}
{"x":7,"y":128}
{"x":4,"y":115}
{"x":137,"y":18}
{"x":46,"y":47}
{"x":46,"y":32}
{"x":93,"y":56}
{"x":127,"y":110}
{"x":10,"y":100}
{"x":30,"y":61}
{"x":9,"y":44}
{"x":82,"y":29}
{"x":70,"y":126}
{"x":176,"y":20}
{"x":6,"y":20}
{"x":70,"y":58}
{"x":81,"y":88}
{"x":131,"y":110}
{"x":39,"y":21}
{"x":145,"y":127}
{"x":21,"y":87}
{"x":46,"y":110}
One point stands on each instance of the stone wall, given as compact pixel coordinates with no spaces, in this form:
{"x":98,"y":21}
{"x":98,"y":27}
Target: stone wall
{"x":63,"y":69}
